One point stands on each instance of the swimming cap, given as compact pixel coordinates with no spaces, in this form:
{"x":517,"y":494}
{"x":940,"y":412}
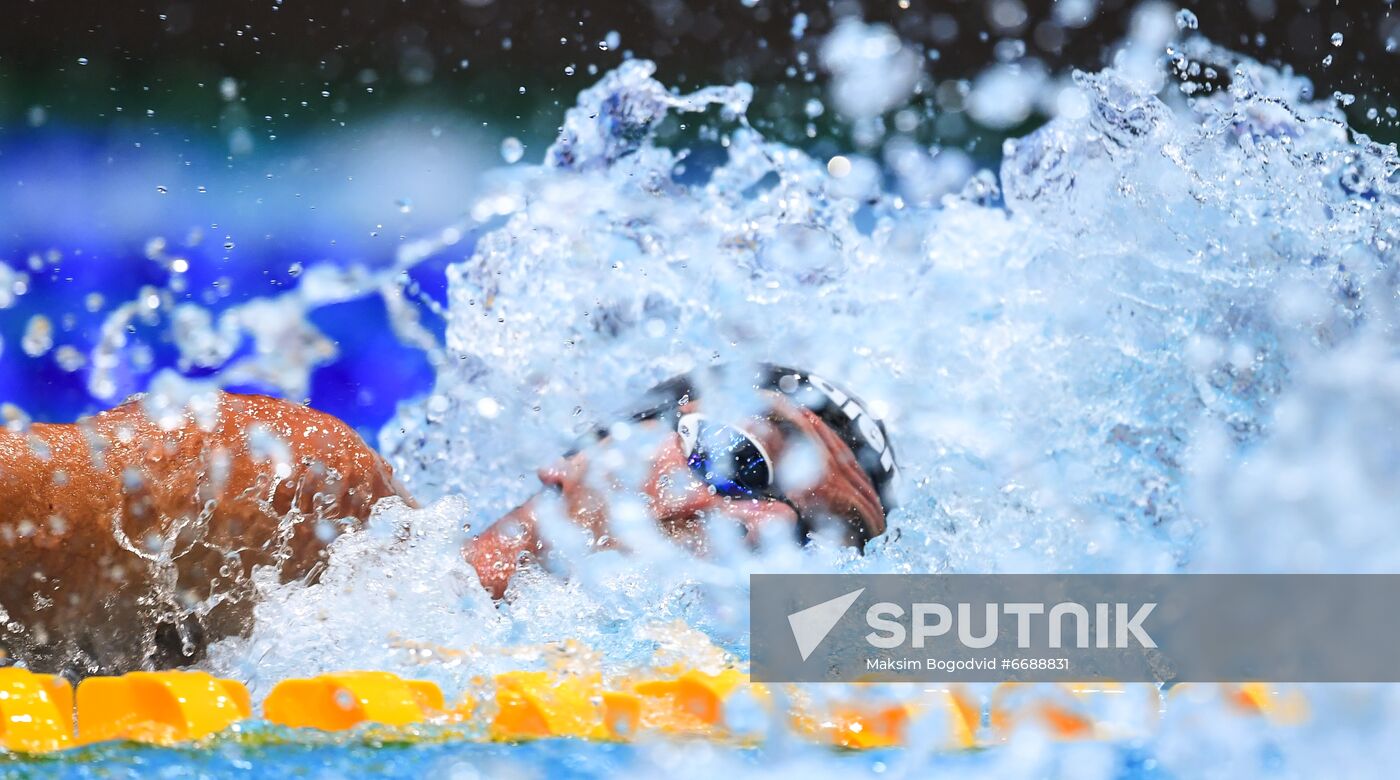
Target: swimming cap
{"x":840,"y":409}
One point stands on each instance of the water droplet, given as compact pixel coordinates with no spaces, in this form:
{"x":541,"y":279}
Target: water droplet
{"x":162,"y":189}
{"x":228,"y":245}
{"x":568,"y":70}
{"x":488,"y":407}
{"x":405,"y":205}
{"x":1337,"y":39}
{"x":1186,"y":20}
{"x":69,"y":358}
{"x":38,"y":336}
{"x":228,"y":88}
{"x":1327,"y":61}
{"x":522,"y":90}
{"x":512,"y":150}
{"x":838,"y":166}
{"x":82,"y":60}
{"x":799,"y":26}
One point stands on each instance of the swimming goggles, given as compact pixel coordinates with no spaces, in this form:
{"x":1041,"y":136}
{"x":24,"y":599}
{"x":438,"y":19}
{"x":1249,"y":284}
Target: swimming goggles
{"x":726,"y":458}
{"x":733,"y":463}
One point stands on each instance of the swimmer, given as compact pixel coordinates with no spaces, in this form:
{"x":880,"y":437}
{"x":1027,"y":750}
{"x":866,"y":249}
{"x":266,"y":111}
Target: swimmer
{"x":125,"y":543}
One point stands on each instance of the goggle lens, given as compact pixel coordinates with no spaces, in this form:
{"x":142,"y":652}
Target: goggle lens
{"x":724,"y":457}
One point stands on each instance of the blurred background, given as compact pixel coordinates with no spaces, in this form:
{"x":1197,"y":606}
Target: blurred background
{"x":155,"y":154}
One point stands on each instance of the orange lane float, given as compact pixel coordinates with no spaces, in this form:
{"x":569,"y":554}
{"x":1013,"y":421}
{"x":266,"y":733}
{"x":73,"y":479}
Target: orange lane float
{"x":1075,"y":711}
{"x":1282,"y":705}
{"x":859,"y":724}
{"x":852,"y":725}
{"x":535,"y":705}
{"x":336,"y":702}
{"x":36,"y":711}
{"x":1285,"y":706}
{"x":689,"y":702}
{"x":163,"y":708}
{"x":532,"y":705}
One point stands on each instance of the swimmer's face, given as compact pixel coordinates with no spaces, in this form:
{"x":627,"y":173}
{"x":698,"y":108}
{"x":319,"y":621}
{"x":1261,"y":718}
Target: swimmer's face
{"x":818,"y":486}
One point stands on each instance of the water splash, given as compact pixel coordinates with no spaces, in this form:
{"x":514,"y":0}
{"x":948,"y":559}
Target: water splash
{"x":1168,"y":306}
{"x":615,"y":117}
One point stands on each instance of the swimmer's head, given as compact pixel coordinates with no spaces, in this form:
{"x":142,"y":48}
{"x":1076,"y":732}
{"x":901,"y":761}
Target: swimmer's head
{"x":765,"y":444}
{"x":784,"y":453}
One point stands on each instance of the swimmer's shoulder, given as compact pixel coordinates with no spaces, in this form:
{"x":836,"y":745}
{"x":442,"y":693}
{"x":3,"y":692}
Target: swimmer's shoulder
{"x":316,"y":436}
{"x":292,"y":421}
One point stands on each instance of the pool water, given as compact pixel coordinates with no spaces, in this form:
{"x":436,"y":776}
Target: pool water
{"x":1163,"y":337}
{"x":456,"y":760}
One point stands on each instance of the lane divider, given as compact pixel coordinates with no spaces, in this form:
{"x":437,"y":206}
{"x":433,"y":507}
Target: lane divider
{"x":36,"y":711}
{"x":40,"y":713}
{"x":872,"y":724}
{"x":336,"y":702}
{"x":160,"y":708}
{"x":532,"y":705}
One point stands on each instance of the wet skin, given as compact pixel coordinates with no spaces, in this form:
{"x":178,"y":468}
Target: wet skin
{"x":113,"y":528}
{"x":680,"y":501}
